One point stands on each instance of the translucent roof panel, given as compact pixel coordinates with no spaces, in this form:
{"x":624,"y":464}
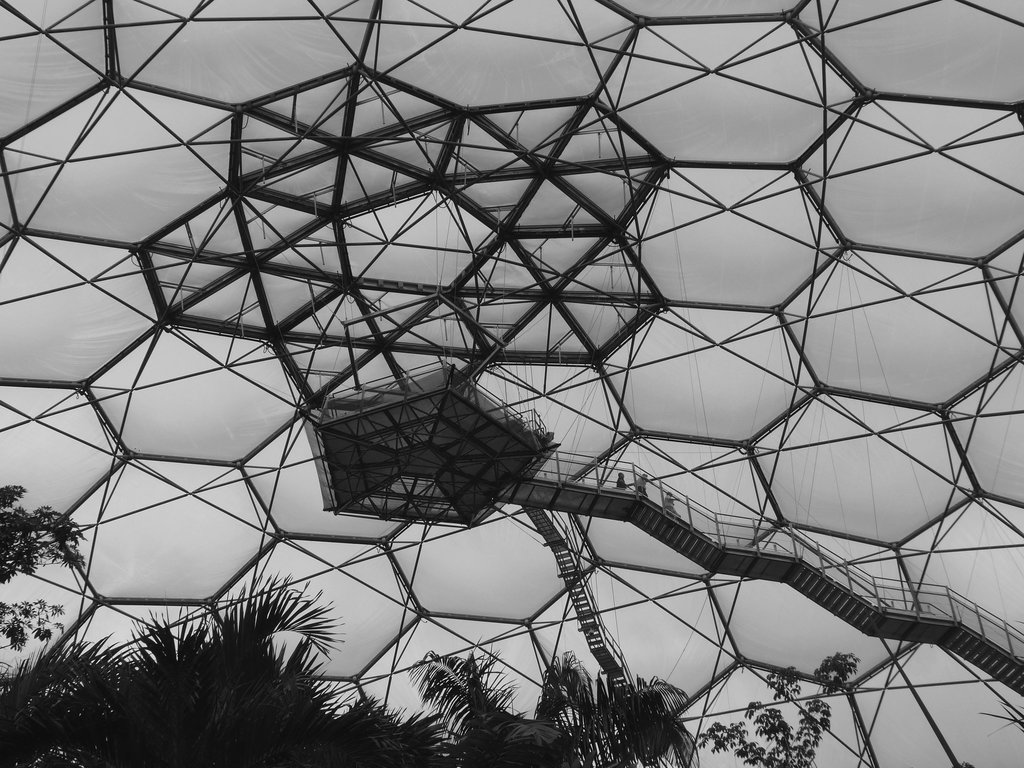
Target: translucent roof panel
{"x":760,"y":259}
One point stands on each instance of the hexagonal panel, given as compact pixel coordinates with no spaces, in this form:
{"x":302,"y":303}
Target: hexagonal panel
{"x":924,"y":177}
{"x":194,"y":394}
{"x":80,"y":173}
{"x":906,"y":328}
{"x":704,"y":227}
{"x":752,"y":610}
{"x":731,"y":373}
{"x":164,"y":48}
{"x":724,"y":92}
{"x":161,"y":530}
{"x":38,"y":424}
{"x":74,"y":305}
{"x":465,"y":56}
{"x":936,"y":49}
{"x":861,"y":469}
{"x":500,"y":569}
{"x":67,"y":57}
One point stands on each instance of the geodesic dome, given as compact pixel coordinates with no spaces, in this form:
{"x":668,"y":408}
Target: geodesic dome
{"x":763,"y":261}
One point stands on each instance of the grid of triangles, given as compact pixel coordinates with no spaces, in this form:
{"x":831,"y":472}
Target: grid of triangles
{"x":771,"y":257}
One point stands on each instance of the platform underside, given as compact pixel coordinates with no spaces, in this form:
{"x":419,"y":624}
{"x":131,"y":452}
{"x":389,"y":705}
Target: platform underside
{"x":434,"y":448}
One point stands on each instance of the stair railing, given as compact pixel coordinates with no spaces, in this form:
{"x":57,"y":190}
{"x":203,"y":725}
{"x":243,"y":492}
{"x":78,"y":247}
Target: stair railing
{"x":923,"y":600}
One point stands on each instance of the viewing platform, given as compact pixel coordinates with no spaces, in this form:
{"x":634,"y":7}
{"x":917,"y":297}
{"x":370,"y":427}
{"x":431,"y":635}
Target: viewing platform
{"x":434,"y":446}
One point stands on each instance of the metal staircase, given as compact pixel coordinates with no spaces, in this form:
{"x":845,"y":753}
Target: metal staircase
{"x":602,"y":646}
{"x":753,"y":548}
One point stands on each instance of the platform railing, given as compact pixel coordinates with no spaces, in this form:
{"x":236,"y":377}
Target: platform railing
{"x":922,"y":600}
{"x":425,"y":380}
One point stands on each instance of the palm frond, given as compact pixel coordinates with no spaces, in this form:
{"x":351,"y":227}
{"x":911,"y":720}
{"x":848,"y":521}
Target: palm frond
{"x":56,"y":699}
{"x":215,"y":690}
{"x":620,"y":724}
{"x":462,"y":689}
{"x":273,"y":607}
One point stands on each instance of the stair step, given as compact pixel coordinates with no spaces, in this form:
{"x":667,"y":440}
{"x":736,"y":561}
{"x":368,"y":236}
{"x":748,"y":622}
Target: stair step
{"x":825,"y":585}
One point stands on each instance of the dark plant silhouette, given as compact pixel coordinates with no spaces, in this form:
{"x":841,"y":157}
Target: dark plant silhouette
{"x":220,"y":691}
{"x":578,"y":722}
{"x":472,"y":701}
{"x":777,"y":743}
{"x":29,"y":540}
{"x":615,"y":724}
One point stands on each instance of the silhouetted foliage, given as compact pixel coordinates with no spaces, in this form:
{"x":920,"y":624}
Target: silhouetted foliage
{"x":216,"y":691}
{"x":472,"y":701}
{"x":29,"y":540}
{"x":578,"y":722}
{"x":776,"y":742}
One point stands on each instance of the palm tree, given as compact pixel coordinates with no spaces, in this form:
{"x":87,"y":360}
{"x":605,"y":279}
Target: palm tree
{"x":578,"y":722}
{"x":222,"y":691}
{"x":615,"y":724}
{"x":472,"y":702}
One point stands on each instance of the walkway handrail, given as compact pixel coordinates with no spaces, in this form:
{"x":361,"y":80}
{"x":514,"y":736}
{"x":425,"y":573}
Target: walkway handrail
{"x":426,"y":380}
{"x":753,"y":535}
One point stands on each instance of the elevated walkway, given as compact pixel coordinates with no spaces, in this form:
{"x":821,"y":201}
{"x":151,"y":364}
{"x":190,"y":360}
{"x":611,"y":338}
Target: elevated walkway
{"x":437,"y":447}
{"x":738,"y":546}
